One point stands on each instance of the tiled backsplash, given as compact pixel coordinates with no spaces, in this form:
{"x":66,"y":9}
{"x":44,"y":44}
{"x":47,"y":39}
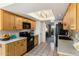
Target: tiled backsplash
{"x":16,"y":32}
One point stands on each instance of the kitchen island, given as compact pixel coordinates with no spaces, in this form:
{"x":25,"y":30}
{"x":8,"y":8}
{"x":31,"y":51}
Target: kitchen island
{"x":65,"y":47}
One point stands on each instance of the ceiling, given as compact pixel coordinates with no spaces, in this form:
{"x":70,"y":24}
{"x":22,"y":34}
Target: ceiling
{"x":23,"y":9}
{"x":4,"y":4}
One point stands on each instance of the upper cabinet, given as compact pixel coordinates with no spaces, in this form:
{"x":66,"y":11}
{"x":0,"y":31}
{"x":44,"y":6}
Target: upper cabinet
{"x":33,"y":24}
{"x":18,"y":22}
{"x":10,"y":21}
{"x":77,"y":18}
{"x":7,"y":20}
{"x":66,"y":20}
{"x":69,"y":21}
{"x":73,"y":16}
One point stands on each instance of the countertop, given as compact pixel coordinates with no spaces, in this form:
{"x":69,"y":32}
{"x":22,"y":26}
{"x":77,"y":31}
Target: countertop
{"x":12,"y":40}
{"x":65,"y":47}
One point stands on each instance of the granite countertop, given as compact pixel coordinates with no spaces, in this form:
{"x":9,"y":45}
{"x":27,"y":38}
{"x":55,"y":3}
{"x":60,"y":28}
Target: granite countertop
{"x":12,"y":40}
{"x":65,"y":47}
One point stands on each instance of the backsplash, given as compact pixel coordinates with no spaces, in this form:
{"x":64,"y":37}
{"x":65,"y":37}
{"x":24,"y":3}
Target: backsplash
{"x":16,"y":32}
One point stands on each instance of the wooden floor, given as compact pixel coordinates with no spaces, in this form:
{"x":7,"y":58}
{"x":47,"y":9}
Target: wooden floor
{"x":41,"y":50}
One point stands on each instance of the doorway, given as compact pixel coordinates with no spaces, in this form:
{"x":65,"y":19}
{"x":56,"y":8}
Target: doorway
{"x":50,"y":33}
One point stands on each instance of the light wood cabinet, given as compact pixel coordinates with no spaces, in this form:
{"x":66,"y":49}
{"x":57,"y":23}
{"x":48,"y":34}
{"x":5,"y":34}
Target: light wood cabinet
{"x":78,"y":17}
{"x":66,"y":20}
{"x":7,"y":20}
{"x":11,"y":48}
{"x":20,"y":47}
{"x":18,"y":22}
{"x":16,"y":48}
{"x":25,"y":20}
{"x":5,"y":50}
{"x":0,"y":50}
{"x":73,"y":16}
{"x":33,"y":24}
{"x":36,"y":40}
{"x":23,"y":47}
{"x":69,"y":21}
{"x":10,"y":21}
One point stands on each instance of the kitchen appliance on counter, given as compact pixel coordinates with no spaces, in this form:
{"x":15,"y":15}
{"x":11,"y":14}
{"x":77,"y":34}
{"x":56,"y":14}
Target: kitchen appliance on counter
{"x":30,"y":39}
{"x":26,"y":25}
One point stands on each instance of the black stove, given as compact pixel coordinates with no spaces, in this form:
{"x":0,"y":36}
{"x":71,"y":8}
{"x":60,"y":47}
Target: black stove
{"x":30,"y":40}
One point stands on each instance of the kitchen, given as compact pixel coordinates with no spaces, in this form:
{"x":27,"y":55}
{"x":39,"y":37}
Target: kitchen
{"x":19,"y":34}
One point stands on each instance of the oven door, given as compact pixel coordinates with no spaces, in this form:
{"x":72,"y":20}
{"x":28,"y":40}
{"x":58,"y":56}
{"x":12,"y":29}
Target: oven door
{"x":30,"y":43}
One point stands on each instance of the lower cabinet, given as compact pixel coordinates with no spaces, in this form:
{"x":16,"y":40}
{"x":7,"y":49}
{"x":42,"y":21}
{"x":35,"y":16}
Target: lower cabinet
{"x":11,"y":49}
{"x":0,"y":50}
{"x":36,"y":40}
{"x":21,"y":47}
{"x":16,"y":48}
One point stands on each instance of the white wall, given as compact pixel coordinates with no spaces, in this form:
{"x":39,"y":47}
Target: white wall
{"x":40,"y":30}
{"x":43,"y":32}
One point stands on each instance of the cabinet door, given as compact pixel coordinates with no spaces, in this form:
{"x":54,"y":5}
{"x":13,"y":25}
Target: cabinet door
{"x":5,"y":50}
{"x":23,"y":46}
{"x":33,"y":24}
{"x":0,"y":49}
{"x":17,"y":48}
{"x":66,"y":20}
{"x":73,"y":16}
{"x":18,"y":22}
{"x":1,"y":20}
{"x":29,"y":21}
{"x":77,"y":17}
{"x":20,"y":47}
{"x":36,"y":40}
{"x":11,"y":49}
{"x":8,"y":21}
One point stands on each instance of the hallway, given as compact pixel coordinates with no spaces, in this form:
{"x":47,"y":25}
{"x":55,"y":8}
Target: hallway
{"x":50,"y":39}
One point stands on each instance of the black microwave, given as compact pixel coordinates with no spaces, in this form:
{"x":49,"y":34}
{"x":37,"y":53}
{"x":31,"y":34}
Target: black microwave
{"x":26,"y":25}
